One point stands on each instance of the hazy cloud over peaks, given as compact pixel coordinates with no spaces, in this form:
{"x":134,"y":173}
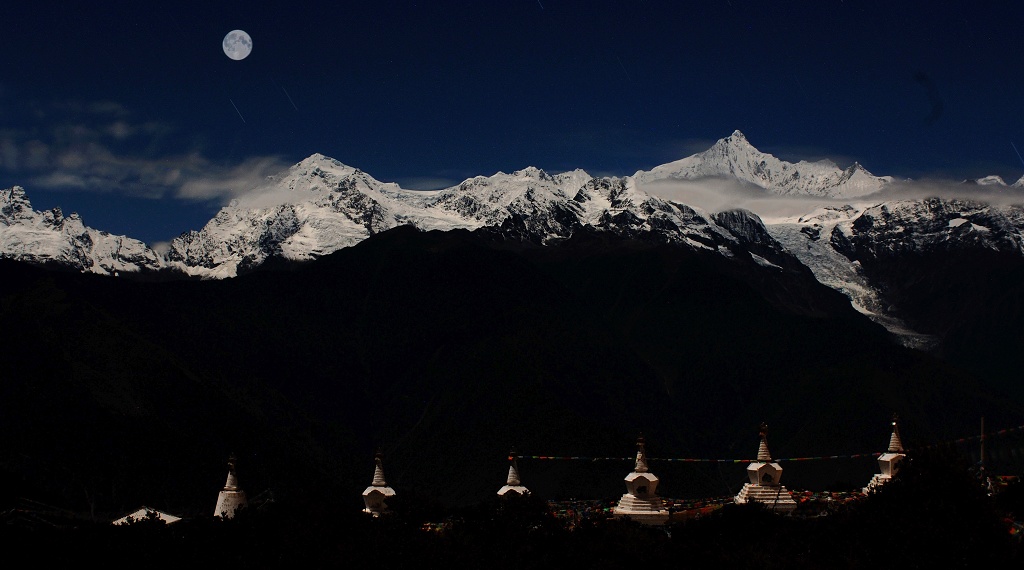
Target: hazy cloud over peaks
{"x":101,"y":146}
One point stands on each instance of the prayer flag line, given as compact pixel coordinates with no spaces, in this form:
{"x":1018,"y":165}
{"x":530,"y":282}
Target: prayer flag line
{"x":814,"y":458}
{"x":690,"y":459}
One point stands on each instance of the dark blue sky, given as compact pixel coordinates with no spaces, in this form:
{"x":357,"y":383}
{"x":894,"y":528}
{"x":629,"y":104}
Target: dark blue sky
{"x":126,"y":112}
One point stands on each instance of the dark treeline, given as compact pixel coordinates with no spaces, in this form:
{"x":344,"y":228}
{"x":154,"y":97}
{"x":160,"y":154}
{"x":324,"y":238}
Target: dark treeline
{"x":935,"y":513}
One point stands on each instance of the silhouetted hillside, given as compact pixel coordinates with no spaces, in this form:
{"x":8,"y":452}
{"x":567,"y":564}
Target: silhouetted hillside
{"x":445,"y":349}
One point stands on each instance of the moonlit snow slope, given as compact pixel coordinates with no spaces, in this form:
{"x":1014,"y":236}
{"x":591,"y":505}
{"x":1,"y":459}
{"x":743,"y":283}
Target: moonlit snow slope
{"x":828,"y":218}
{"x":321,"y":205}
{"x":52,"y":237}
{"x":735,"y":157}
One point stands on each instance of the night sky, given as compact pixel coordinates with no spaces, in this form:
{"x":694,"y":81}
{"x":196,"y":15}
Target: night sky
{"x":131,"y":114}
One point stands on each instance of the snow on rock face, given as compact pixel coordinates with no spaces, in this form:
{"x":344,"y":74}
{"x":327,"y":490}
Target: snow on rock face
{"x":320,"y":205}
{"x":931,"y":225}
{"x":735,"y":157}
{"x":51,"y":237}
{"x":808,"y":239}
{"x":832,"y":242}
{"x":536,"y":198}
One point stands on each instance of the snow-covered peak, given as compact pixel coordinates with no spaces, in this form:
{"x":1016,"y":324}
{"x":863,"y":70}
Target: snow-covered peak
{"x":52,"y":237}
{"x":324,"y":162}
{"x":532,"y":172}
{"x":315,"y":178}
{"x":737,"y":138}
{"x":14,"y":203}
{"x":735,"y":157}
{"x":1019,"y":183}
{"x":13,"y":194}
{"x":506,"y":188}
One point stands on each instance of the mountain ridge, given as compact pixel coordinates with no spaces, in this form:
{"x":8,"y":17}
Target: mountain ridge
{"x":320,"y":206}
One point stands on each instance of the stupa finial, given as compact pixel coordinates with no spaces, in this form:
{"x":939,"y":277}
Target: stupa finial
{"x":762,"y":449}
{"x":378,"y":491}
{"x":231,"y":497}
{"x":232,"y":482}
{"x":513,"y":485}
{"x":895,"y":444}
{"x":641,"y":456}
{"x":641,"y":502}
{"x":378,"y":470}
{"x":889,"y":462}
{"x":765,"y":486}
{"x":513,"y":469}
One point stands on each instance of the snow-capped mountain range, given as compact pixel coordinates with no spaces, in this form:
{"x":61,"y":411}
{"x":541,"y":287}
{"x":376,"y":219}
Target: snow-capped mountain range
{"x":321,"y":205}
{"x":50,"y":237}
{"x":735,"y":157}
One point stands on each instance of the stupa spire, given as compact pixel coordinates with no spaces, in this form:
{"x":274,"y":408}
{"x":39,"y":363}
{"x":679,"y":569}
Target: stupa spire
{"x":513,"y":484}
{"x":378,"y":491}
{"x":762,"y":449}
{"x":231,"y":497}
{"x":231,"y":484}
{"x":641,"y":456}
{"x":641,"y":501}
{"x":378,"y":470}
{"x":513,"y":470}
{"x":895,"y":444}
{"x":889,"y":462}
{"x":764,"y":486}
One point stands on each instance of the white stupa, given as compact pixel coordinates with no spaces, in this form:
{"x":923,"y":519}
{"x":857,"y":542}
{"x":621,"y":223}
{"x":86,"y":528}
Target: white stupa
{"x":889,"y":462}
{"x":641,"y":502}
{"x":378,"y":491}
{"x":231,"y":497}
{"x":513,"y":486}
{"x":764,"y":486}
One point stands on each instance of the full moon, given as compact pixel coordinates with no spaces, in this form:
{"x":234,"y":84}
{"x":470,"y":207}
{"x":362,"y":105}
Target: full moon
{"x":237,"y":45}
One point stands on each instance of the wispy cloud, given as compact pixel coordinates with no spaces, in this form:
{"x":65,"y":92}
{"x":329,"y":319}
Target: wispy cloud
{"x":427,"y":182}
{"x":227,"y":182}
{"x":102,"y":147}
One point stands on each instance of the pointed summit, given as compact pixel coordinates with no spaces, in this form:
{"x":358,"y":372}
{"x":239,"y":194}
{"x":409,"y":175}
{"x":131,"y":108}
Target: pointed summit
{"x":733,"y":157}
{"x":737,"y":137}
{"x":14,"y":204}
{"x":532,"y":172}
